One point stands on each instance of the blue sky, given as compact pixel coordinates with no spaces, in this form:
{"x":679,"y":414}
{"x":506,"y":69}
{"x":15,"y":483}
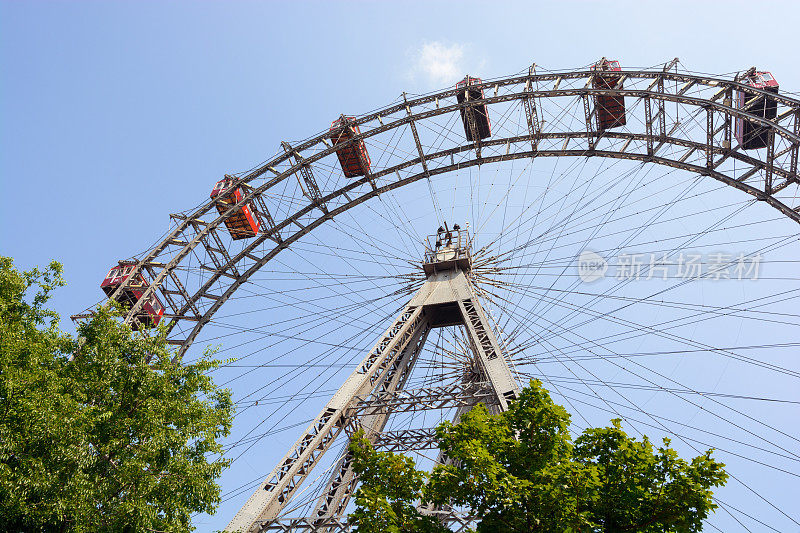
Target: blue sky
{"x":115,"y":114}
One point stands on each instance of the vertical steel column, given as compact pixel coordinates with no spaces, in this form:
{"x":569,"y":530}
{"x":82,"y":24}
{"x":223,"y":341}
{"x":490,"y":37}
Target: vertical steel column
{"x":709,"y":137}
{"x":588,"y":112}
{"x":531,"y":113}
{"x":648,"y":122}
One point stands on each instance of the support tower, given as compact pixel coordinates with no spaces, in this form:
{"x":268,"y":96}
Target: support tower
{"x":376,"y":390}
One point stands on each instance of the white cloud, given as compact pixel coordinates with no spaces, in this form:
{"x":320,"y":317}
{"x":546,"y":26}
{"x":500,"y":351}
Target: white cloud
{"x":439,"y":63}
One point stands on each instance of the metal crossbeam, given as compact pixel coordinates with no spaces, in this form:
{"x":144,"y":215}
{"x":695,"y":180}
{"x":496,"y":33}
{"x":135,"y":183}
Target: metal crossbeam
{"x":457,"y":522}
{"x":710,"y":138}
{"x":770,"y":162}
{"x":688,"y":85}
{"x":193,"y":221}
{"x":180,"y":290}
{"x":662,"y":113}
{"x":469,"y":112}
{"x":267,"y":222}
{"x":407,"y":440}
{"x":749,"y":173}
{"x":531,"y":113}
{"x":304,"y":175}
{"x":429,"y":398}
{"x":415,"y":134}
{"x":219,"y":249}
{"x":588,"y":113}
{"x":728,"y":139}
{"x":793,"y":163}
{"x":648,"y":120}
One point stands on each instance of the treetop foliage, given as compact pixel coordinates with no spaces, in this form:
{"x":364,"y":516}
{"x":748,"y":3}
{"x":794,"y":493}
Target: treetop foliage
{"x":103,"y":432}
{"x":521,"y":471}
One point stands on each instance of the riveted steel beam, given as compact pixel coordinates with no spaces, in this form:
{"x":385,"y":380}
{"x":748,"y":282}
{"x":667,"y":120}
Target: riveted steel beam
{"x":305,"y":177}
{"x":531,"y":113}
{"x":588,"y":112}
{"x":417,"y":142}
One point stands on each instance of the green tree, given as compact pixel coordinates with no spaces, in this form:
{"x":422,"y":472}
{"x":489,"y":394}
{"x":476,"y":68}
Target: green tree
{"x":103,"y":432}
{"x":520,"y":471}
{"x":390,"y":486}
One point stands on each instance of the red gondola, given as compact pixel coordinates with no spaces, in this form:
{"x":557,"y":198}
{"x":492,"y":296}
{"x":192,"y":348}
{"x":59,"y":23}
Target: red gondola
{"x":470,"y":93}
{"x":152,"y":310}
{"x":242,"y":224}
{"x":751,"y":134}
{"x":610,"y":110}
{"x":353,"y":157}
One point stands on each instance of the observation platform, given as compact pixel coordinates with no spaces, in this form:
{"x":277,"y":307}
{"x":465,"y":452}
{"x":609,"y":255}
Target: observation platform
{"x":447,"y":260}
{"x":449,"y":249}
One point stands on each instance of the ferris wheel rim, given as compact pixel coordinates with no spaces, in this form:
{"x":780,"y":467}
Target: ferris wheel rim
{"x":766,"y":194}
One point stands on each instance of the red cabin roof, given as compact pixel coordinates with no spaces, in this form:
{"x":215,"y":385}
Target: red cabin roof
{"x":221,"y":186}
{"x":468,"y":80}
{"x":119,"y":273}
{"x":760,"y":80}
{"x":750,"y":134}
{"x":152,"y":309}
{"x":607,"y":64}
{"x":344,"y":121}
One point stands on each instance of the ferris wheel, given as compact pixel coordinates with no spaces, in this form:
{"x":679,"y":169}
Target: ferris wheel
{"x":626,"y":235}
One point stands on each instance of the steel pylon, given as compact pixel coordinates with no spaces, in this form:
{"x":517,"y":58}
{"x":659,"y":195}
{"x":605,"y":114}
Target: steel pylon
{"x":376,"y":390}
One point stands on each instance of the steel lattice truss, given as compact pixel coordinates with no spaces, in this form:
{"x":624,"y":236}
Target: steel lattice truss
{"x":453,"y":520}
